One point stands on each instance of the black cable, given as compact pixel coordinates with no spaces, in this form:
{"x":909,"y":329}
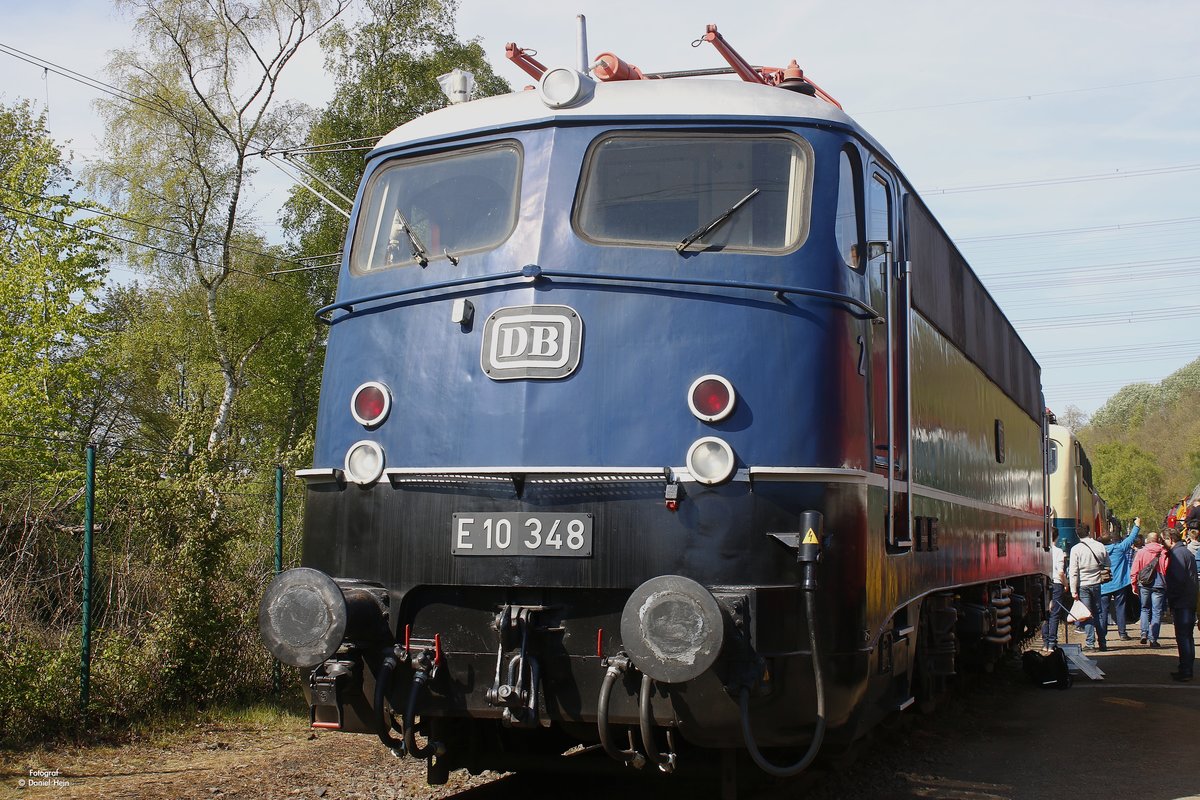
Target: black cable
{"x":818,"y":733}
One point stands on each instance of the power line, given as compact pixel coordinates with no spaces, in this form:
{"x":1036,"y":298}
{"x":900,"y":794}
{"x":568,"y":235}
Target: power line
{"x":1106,"y":88}
{"x":1104,"y":176}
{"x":63,"y":200}
{"x":1129,"y":349}
{"x":324,"y":147}
{"x":1127,"y":316}
{"x":1162,"y":262}
{"x":1108,"y":359}
{"x":154,"y":104}
{"x":163,"y":250}
{"x":1120,"y":226}
{"x":1053,"y":302}
{"x":78,"y":77}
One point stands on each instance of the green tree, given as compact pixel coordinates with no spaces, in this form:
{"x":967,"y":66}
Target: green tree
{"x":52,"y":267}
{"x":1130,"y":480}
{"x":1159,"y":419}
{"x":51,"y":270}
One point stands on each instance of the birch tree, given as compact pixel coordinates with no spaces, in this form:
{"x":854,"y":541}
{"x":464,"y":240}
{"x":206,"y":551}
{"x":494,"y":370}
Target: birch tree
{"x":201,"y":100}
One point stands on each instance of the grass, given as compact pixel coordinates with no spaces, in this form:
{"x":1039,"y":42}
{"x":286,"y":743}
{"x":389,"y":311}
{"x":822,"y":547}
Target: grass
{"x":168,"y":727}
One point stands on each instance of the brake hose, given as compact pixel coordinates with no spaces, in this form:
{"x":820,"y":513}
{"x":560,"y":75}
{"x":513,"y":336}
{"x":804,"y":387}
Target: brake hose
{"x":616,"y":667}
{"x":664,"y":761}
{"x":420,"y":677}
{"x":381,"y":715}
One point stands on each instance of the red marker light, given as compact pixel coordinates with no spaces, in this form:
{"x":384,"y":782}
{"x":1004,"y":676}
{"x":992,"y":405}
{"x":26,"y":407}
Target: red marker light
{"x":370,"y":404}
{"x":711,"y":398}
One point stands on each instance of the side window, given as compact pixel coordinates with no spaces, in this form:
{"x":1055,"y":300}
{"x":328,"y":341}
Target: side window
{"x":847,"y":223}
{"x":1052,"y":456}
{"x":878,"y":227}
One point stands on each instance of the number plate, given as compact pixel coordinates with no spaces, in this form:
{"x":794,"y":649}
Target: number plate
{"x":521,"y":534}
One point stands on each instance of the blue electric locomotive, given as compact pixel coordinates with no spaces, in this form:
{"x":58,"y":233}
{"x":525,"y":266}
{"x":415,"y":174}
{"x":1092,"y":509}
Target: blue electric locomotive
{"x":659,"y":416}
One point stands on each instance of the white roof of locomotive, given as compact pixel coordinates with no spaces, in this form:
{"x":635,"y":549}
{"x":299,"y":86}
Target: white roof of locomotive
{"x":659,"y":100}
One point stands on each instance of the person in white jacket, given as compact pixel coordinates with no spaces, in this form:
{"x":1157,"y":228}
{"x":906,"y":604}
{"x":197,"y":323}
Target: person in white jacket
{"x":1088,"y":561}
{"x":1058,"y":595}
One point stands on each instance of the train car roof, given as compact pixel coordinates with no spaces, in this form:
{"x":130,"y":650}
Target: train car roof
{"x":658,"y":101}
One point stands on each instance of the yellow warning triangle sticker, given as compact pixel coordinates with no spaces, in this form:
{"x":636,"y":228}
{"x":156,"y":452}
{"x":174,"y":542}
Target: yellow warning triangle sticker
{"x":810,"y":537}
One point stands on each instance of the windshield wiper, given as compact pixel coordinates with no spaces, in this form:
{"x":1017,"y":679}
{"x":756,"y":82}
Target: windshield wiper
{"x":418,"y":249}
{"x":708,"y":228}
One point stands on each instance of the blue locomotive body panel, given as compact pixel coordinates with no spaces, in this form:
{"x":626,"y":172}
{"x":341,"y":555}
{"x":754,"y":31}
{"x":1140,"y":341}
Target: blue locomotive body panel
{"x":643,"y":344}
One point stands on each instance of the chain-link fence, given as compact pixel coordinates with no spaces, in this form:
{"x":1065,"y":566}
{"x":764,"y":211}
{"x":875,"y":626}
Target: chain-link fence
{"x":164,"y":611}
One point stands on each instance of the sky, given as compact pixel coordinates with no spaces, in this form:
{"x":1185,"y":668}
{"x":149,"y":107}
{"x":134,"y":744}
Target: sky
{"x":1057,"y":143}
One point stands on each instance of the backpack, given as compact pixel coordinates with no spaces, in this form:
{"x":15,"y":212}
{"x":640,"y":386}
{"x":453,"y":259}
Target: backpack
{"x":1147,"y":574}
{"x":1048,"y":672}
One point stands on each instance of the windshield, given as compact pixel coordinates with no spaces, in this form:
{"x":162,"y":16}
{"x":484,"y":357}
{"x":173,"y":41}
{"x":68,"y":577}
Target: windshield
{"x":427,"y":207}
{"x":657,"y":189}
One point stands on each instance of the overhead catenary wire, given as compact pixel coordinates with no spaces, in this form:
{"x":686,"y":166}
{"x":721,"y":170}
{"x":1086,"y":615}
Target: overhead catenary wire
{"x":323,"y":147}
{"x":154,"y":104}
{"x":283,"y":167}
{"x":1031,"y":96}
{"x":1120,"y":226}
{"x":309,"y":268}
{"x":65,"y":201}
{"x":1132,"y":348}
{"x":1123,"y":317}
{"x":79,"y":77}
{"x":1102,"y":176}
{"x":163,"y":250}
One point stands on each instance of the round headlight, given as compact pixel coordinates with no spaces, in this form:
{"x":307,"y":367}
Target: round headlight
{"x":672,"y":628}
{"x":364,"y":462}
{"x":710,"y":460}
{"x":711,"y":398}
{"x":561,"y":87}
{"x":370,"y":404}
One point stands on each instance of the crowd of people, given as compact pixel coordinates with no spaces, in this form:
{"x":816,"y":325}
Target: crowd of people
{"x":1161,"y":570}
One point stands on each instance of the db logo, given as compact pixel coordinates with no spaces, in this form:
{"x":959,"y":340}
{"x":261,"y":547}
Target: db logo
{"x":531,"y":342}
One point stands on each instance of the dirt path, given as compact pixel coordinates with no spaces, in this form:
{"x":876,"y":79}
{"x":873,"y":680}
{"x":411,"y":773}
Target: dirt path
{"x":998,"y":739}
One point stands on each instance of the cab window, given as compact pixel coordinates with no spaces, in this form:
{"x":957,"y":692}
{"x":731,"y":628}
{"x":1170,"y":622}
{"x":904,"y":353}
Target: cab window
{"x":451,"y":203}
{"x":847,"y":222}
{"x":659,"y":189}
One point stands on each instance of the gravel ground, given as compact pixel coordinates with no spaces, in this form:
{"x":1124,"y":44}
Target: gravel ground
{"x":996,"y":738}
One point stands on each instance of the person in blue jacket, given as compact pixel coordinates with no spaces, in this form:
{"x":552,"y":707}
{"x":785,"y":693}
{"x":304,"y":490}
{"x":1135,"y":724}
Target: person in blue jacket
{"x":1114,"y":592}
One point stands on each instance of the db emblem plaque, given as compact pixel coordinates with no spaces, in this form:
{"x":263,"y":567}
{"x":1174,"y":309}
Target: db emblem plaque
{"x":539,"y":342}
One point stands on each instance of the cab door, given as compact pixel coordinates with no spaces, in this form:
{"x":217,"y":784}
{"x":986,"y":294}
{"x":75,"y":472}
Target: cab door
{"x":889,"y":369}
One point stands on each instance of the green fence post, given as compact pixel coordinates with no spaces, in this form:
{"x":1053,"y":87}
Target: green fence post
{"x":89,"y":510}
{"x":278,"y":520}
{"x":276,"y":673}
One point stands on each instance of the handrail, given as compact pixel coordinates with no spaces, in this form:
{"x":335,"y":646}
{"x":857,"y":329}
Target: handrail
{"x":533,"y":272}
